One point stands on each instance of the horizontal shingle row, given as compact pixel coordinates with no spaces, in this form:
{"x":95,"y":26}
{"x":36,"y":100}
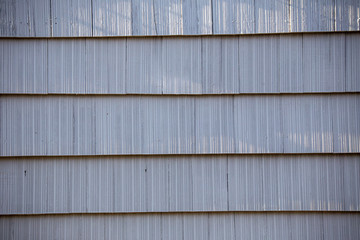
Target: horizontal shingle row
{"x":46,"y":185}
{"x":102,"y":125}
{"x":293,"y":226}
{"x":190,"y":65}
{"x":73,"y":18}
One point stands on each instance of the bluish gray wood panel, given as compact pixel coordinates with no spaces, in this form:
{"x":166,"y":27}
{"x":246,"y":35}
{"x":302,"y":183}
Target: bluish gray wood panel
{"x":347,"y":15}
{"x":253,"y":226}
{"x":302,"y":225}
{"x":233,"y":17}
{"x":346,"y":125}
{"x":112,"y":18}
{"x":293,"y":183}
{"x":307,"y":125}
{"x":24,"y":125}
{"x":341,"y":228}
{"x":352,"y":63}
{"x":171,"y":17}
{"x":67,"y":66}
{"x":71,"y":18}
{"x":144,"y":66}
{"x":182,"y":64}
{"x":98,"y":125}
{"x":190,"y":65}
{"x":272,"y":16}
{"x":220,"y":65}
{"x":258,"y":124}
{"x":312,"y":16}
{"x":143,"y":17}
{"x":291,"y":63}
{"x":209,"y":183}
{"x":180,"y":184}
{"x":105,"y":66}
{"x":324,"y":62}
{"x":168,"y":18}
{"x":214,"y":127}
{"x":110,"y":184}
{"x":144,"y":125}
{"x":23,"y":66}
{"x":19,"y":18}
{"x":264,"y":74}
{"x":197,"y":17}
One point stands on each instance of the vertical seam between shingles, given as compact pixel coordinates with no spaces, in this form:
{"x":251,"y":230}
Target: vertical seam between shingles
{"x":73,"y":122}
{"x":254,"y":26}
{"x":28,"y":18}
{"x":278,"y":69}
{"x":94,"y":122}
{"x":282,"y":133}
{"x":161,"y":226}
{"x":51,"y":22}
{"x":345,"y":72}
{"x":332,"y":126}
{"x":92,"y":18}
{"x":162,"y":62}
{"x":227,"y":180}
{"x":34,"y":28}
{"x":183,"y":226}
{"x":47,"y":66}
{"x":234,"y":128}
{"x":262,"y":184}
{"x":208,"y":225}
{"x":212,"y":16}
{"x":289,"y":16}
{"x":234,"y":224}
{"x":302,"y":62}
{"x":343,"y":185}
{"x":131,"y":19}
{"x":147,"y":180}
{"x":156,"y":30}
{"x":126,"y":46}
{"x":168,"y":185}
{"x":113,"y":182}
{"x":85,"y":72}
{"x":334,"y":12}
{"x":322,"y":226}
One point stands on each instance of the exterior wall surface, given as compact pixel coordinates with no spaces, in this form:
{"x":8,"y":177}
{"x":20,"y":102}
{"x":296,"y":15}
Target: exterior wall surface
{"x":204,"y":119}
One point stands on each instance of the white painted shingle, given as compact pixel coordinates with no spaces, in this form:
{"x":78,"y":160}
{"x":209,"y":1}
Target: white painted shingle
{"x":112,"y":18}
{"x":19,"y":18}
{"x":105,"y":66}
{"x":71,"y":18}
{"x":23,"y":66}
{"x":233,"y":17}
{"x":352,"y":60}
{"x":324,"y":63}
{"x":67,"y":66}
{"x":312,"y":16}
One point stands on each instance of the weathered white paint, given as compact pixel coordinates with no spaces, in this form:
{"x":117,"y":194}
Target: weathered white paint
{"x":75,"y":18}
